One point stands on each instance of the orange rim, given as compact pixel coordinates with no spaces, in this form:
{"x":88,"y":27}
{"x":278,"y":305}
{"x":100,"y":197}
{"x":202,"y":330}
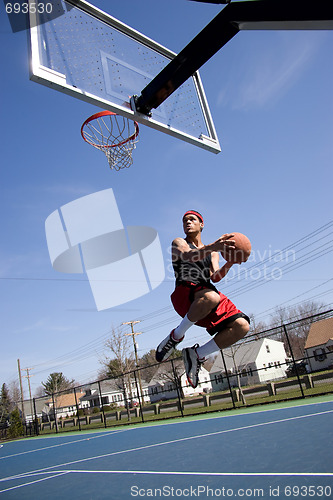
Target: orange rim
{"x":100,"y":115}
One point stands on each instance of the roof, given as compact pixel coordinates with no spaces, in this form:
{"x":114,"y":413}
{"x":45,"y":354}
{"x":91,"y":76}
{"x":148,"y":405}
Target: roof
{"x":66,"y":400}
{"x":39,"y":406}
{"x":320,"y":333}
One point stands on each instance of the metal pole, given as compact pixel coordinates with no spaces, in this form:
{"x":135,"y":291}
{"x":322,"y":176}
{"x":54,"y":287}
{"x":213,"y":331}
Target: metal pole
{"x":55,"y":413}
{"x":126,"y":398}
{"x":177,"y":388}
{"x":100,"y":395}
{"x":77,"y":409}
{"x":226,"y":372}
{"x":293,"y":358}
{"x":137,"y":390}
{"x":36,"y":418}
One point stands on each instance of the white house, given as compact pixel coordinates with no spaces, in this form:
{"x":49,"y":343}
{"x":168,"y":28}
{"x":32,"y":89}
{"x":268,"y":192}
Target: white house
{"x":112,"y":392}
{"x":256,"y":362}
{"x":319,"y":345}
{"x":162,"y":386}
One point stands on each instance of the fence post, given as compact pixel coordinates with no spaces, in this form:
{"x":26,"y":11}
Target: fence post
{"x":77,"y":409}
{"x":177,"y":388}
{"x":102,"y":406}
{"x":36,"y":418}
{"x":55,"y":413}
{"x":229,"y":385}
{"x":139,"y":395}
{"x":293,"y":358}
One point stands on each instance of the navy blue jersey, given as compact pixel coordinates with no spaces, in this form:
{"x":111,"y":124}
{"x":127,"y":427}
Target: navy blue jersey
{"x":194,"y":272}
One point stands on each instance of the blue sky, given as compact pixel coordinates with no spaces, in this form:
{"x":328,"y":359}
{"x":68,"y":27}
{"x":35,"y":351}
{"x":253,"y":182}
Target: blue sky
{"x":271,"y":100}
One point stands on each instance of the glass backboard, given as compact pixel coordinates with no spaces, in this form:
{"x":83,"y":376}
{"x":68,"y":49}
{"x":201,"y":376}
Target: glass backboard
{"x":84,"y":52}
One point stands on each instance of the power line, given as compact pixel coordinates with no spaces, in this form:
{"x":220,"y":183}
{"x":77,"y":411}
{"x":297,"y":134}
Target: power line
{"x":85,"y":351}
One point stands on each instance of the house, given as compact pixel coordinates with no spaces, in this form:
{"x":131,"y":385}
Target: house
{"x":112,"y":392}
{"x":66,"y":404}
{"x":319,"y":345}
{"x":163,"y":386}
{"x":34,"y":408}
{"x":256,"y":362}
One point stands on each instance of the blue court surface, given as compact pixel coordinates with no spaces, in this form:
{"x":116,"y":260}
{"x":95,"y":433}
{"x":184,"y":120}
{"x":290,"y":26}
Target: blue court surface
{"x":281,"y":452}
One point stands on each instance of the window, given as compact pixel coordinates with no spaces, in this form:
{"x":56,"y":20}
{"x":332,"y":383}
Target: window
{"x":319,"y":354}
{"x":267,"y":348}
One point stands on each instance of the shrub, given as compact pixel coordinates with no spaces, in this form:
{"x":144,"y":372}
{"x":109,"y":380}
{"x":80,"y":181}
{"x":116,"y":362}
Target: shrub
{"x":16,"y":428}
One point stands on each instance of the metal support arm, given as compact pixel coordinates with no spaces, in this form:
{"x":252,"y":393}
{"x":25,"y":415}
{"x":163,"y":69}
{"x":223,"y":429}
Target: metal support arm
{"x":248,"y":15}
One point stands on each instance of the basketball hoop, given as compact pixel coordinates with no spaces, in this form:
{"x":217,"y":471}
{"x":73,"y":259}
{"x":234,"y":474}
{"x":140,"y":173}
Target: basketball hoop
{"x":112,"y":134}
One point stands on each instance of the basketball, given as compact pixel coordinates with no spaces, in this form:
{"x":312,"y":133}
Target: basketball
{"x":242,"y":251}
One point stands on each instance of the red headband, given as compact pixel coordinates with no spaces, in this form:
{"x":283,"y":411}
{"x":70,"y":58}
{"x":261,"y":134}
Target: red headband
{"x":193,"y":212}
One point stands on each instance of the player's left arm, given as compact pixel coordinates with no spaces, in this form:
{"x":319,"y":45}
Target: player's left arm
{"x":217,"y":273}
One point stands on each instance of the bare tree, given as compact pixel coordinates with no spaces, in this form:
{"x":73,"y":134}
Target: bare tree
{"x":14,"y":392}
{"x":121,"y":359}
{"x":172,"y":372}
{"x":256,"y":327}
{"x":298,"y":332}
{"x":119,"y":363}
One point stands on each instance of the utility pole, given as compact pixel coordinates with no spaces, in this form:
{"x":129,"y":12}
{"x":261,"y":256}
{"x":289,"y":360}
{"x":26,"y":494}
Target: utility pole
{"x":28,"y":377}
{"x":133,"y":334}
{"x":21,"y":389}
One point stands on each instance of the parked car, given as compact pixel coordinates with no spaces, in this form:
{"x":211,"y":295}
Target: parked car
{"x":132,"y":404}
{"x":301,"y":366}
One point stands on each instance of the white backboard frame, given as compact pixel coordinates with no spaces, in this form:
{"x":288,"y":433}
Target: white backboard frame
{"x":39,"y":73}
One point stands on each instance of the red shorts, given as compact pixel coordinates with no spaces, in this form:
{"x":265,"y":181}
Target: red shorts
{"x":217,"y":319}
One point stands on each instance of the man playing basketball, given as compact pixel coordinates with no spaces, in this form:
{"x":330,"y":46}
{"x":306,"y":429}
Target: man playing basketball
{"x":197,"y":300}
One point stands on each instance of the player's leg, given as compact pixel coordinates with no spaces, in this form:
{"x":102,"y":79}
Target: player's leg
{"x":204,"y":301}
{"x":230,"y":334}
{"x":195,"y":356}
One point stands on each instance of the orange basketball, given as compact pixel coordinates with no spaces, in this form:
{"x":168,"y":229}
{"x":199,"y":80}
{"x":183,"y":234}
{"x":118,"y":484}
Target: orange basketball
{"x":242,"y":251}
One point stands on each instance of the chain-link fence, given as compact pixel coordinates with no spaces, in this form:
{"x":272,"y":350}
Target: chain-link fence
{"x":290,"y":361}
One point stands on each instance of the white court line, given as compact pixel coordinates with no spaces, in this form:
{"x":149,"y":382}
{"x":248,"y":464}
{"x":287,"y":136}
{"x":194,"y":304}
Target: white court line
{"x":156,"y":425}
{"x":140,"y":448}
{"x":55,"y":474}
{"x":191,"y":473}
{"x":63,"y":444}
{"x":174,"y":473}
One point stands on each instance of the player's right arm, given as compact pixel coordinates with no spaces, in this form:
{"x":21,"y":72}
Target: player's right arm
{"x":182,"y":250}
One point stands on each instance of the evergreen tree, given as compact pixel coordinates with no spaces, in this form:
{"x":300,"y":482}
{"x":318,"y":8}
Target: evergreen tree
{"x":16,"y":428}
{"x":5,"y":404}
{"x":57,"y":382}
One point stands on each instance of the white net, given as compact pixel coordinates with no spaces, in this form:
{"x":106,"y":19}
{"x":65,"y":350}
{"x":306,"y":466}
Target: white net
{"x":113,"y":134}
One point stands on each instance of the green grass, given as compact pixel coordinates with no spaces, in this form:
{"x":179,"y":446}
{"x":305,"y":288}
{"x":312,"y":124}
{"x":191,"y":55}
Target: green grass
{"x":216,"y":406}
